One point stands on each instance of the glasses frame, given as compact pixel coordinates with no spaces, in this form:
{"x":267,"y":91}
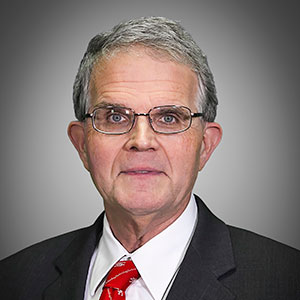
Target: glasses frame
{"x":135,"y":115}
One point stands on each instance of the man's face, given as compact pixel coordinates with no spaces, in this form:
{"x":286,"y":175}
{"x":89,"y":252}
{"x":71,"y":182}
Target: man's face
{"x":143,"y":172}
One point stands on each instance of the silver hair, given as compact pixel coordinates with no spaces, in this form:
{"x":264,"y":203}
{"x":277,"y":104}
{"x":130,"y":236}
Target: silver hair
{"x":162,"y":37}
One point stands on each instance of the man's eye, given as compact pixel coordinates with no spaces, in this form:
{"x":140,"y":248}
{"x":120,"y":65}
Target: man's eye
{"x":168,"y":119}
{"x":116,"y":118}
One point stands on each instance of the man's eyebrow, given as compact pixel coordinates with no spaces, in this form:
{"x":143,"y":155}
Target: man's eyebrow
{"x":105,"y":103}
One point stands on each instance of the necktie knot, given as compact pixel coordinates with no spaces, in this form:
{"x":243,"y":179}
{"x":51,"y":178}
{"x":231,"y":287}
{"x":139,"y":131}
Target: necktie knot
{"x":121,"y":275}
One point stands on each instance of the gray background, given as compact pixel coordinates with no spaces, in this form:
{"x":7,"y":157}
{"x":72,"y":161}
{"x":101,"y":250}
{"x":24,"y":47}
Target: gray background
{"x":253,"y":49}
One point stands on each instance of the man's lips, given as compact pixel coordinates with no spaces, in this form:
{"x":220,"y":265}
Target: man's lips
{"x":141,"y":171}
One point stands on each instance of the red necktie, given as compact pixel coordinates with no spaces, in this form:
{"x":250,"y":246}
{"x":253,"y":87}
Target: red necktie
{"x":120,"y":276}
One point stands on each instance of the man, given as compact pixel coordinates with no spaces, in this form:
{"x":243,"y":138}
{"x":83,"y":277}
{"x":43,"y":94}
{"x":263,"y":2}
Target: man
{"x":145,"y":101}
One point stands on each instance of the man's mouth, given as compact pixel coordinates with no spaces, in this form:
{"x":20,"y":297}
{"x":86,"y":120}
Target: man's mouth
{"x":141,"y":172}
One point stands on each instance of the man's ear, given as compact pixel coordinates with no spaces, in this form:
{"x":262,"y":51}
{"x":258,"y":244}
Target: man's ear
{"x":77,"y":136}
{"x":211,"y":138}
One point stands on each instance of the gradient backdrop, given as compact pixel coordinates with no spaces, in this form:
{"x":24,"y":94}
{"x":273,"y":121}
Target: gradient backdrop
{"x":253,"y":49}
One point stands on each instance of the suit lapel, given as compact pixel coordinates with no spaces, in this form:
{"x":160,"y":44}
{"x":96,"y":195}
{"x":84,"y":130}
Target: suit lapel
{"x":72,"y":266}
{"x":208,"y":258}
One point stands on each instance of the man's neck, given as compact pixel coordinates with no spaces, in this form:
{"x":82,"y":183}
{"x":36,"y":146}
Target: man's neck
{"x":134,"y":231}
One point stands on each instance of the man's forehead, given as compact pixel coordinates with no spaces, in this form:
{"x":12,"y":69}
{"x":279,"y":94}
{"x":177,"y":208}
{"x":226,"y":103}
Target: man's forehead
{"x":141,"y":71}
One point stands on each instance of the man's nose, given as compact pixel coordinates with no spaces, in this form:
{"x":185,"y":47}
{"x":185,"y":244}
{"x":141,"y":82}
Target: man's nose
{"x":142,"y":137}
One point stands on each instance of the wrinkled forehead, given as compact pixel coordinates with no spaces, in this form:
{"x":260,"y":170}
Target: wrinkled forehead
{"x":138,"y":70}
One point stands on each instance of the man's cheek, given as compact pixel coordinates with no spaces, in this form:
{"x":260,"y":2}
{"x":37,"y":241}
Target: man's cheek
{"x":98,"y":159}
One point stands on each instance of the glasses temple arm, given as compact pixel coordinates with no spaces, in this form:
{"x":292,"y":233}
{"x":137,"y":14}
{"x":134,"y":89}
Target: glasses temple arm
{"x":195,"y":115}
{"x":88,"y":115}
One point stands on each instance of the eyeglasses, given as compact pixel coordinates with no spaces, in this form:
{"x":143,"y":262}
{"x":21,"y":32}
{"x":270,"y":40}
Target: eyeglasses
{"x":167,"y":119}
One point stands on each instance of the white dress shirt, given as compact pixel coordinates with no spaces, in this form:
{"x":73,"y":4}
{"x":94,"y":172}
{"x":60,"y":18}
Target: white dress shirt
{"x":157,"y":261}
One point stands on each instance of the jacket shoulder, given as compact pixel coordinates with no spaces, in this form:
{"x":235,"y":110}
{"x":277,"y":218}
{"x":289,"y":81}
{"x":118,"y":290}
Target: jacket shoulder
{"x":249,"y":244}
{"x":264,"y":268}
{"x":28,"y":271}
{"x":40,"y":251}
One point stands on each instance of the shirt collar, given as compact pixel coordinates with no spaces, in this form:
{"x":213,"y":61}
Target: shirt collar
{"x":157,"y":261}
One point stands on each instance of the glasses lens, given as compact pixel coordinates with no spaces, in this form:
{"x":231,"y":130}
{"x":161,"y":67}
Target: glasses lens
{"x":170,"y":119}
{"x":113,"y":120}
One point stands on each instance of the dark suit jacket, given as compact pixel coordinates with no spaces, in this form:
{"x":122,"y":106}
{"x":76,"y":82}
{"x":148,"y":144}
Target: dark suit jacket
{"x":222,"y":263}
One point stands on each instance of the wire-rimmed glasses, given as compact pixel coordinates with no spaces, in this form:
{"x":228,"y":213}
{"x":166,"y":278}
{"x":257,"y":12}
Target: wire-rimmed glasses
{"x":166,"y":119}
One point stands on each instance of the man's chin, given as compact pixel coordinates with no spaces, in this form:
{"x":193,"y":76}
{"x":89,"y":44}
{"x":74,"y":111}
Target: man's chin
{"x":144,"y":186}
{"x":141,"y":203}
